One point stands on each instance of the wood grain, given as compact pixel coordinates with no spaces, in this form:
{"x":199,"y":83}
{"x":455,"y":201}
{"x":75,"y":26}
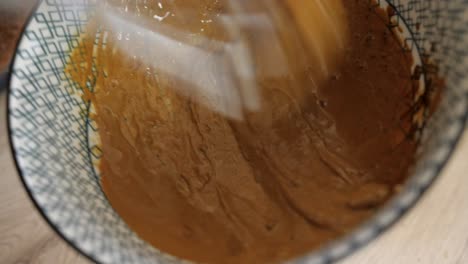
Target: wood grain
{"x":434,"y":232}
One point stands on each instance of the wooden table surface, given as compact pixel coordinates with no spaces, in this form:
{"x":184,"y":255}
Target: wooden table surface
{"x":435,"y":232}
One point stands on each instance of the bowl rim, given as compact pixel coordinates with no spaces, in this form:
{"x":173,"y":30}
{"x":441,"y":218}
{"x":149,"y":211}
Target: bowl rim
{"x":346,"y":245}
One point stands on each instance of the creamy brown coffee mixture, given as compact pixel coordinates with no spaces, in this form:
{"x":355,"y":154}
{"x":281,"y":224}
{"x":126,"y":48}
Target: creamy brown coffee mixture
{"x":283,"y":182}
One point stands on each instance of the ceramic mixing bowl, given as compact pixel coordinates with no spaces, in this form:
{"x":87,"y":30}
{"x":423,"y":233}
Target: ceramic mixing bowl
{"x":56,"y":148}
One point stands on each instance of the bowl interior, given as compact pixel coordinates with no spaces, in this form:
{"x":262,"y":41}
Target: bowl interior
{"x":56,"y":147}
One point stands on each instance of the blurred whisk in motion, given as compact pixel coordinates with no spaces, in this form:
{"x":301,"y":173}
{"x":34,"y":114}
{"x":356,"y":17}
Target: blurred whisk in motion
{"x":221,"y":51}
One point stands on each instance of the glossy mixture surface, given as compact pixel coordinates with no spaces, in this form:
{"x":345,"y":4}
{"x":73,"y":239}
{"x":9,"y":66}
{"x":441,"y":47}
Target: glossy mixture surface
{"x":282,"y":182}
